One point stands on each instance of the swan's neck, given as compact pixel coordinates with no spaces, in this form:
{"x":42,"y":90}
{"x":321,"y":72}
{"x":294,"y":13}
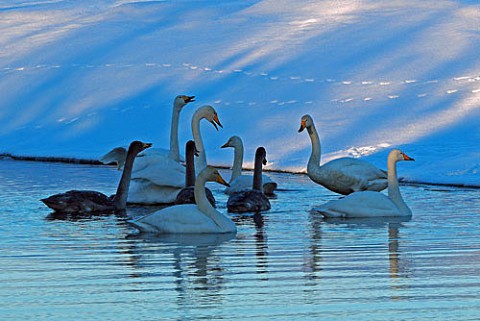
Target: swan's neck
{"x":120,"y":199}
{"x":174,"y":148}
{"x":393,"y":188}
{"x":201,"y":160}
{"x":206,"y":208}
{"x":314,"y":160}
{"x":257,"y":175}
{"x":237,"y":161}
{"x":190,"y":170}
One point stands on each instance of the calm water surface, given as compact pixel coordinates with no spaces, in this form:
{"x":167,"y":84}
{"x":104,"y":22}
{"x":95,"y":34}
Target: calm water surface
{"x":285,"y":264}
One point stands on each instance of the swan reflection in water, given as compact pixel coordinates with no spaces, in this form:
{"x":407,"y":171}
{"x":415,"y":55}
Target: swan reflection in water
{"x":190,"y":259}
{"x":257,"y":221}
{"x":397,"y":267}
{"x":132,"y":210}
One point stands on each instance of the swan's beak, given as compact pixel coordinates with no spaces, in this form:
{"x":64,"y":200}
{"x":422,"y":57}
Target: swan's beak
{"x":214,"y":125}
{"x":188,"y":99}
{"x":222,"y":181}
{"x":216,"y":122}
{"x":407,"y":158}
{"x":225,"y":145}
{"x":264,"y":161}
{"x":303,"y":125}
{"x":147,"y":145}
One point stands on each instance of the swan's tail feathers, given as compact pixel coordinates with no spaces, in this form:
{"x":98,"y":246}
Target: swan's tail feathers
{"x":325,"y":212}
{"x":117,"y":155}
{"x":269,"y":188}
{"x":142,"y":227}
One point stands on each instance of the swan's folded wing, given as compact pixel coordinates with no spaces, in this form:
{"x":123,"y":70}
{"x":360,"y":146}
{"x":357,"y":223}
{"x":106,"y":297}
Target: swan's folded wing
{"x":245,"y":182}
{"x":162,"y":172}
{"x":186,"y":218}
{"x":357,"y":167}
{"x":144,"y":159}
{"x":241,"y":183}
{"x":359,"y":204}
{"x":347,"y":175}
{"x":144,"y":192}
{"x":158,"y":152}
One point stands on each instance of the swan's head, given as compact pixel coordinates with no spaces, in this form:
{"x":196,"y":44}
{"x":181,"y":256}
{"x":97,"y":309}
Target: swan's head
{"x":233,"y":141}
{"x":182,"y":100}
{"x":138,"y":146}
{"x":191,"y":148}
{"x":210,"y":114}
{"x":213,"y":175}
{"x":261,"y":154}
{"x":397,"y":155}
{"x":305,"y":122}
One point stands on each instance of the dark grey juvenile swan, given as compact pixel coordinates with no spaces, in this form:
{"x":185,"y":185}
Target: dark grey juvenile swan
{"x":253,"y":200}
{"x":186,"y":194}
{"x":80,"y":202}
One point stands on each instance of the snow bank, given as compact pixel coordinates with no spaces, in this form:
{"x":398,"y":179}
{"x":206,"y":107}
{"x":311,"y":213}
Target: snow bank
{"x":80,"y":77}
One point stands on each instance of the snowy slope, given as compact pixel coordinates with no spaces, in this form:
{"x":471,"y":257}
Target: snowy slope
{"x":78,"y":78}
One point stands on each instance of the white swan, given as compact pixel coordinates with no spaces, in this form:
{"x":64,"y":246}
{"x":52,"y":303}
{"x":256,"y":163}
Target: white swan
{"x":342,"y":175}
{"x":369,"y":203}
{"x":158,"y":180}
{"x":119,"y":154}
{"x":239,"y":182}
{"x":189,"y":218}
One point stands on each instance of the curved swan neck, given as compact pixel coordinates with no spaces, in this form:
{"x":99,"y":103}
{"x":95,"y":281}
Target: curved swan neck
{"x":190,"y":170}
{"x":201,"y":161}
{"x":223,"y":222}
{"x":257,"y":172}
{"x":237,"y":161}
{"x":393,"y":188}
{"x":120,"y":199}
{"x":200,"y":194}
{"x":316,"y":148}
{"x":174,"y":148}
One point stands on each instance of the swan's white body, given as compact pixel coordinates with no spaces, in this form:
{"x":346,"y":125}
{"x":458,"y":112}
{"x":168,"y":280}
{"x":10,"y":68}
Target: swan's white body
{"x":155,"y":177}
{"x":369,"y":203}
{"x":157,"y":180}
{"x":241,"y":182}
{"x":189,"y":218}
{"x":343,"y":175}
{"x":244,"y":182}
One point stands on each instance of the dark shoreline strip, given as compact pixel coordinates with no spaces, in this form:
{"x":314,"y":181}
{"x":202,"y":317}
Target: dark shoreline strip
{"x":50,"y":159}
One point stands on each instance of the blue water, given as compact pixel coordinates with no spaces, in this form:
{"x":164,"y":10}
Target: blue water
{"x":285,"y":264}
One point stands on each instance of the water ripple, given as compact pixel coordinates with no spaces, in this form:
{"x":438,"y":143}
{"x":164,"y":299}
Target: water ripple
{"x":284,"y":264}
